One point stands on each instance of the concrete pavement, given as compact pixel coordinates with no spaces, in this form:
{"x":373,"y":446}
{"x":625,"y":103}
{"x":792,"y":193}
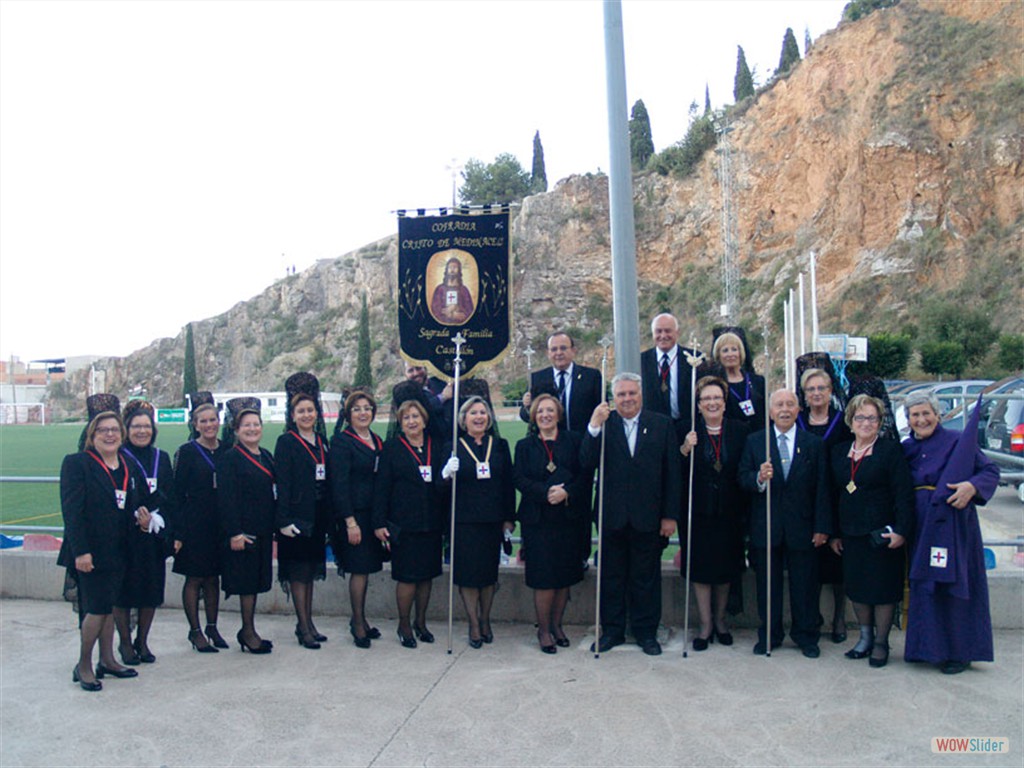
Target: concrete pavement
{"x":506,"y":704}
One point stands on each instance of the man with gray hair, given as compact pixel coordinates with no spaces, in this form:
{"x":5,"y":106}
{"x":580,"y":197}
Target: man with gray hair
{"x":642,"y":495}
{"x":666,"y":374}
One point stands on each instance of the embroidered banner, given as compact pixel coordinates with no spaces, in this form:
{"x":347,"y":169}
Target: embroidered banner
{"x":454,"y":277}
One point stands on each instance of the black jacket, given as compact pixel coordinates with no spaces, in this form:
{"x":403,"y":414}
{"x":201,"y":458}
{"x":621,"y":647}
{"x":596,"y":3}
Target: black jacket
{"x":405,"y":500}
{"x":353,"y":473}
{"x":533,"y":480}
{"x":884,"y":492}
{"x":584,"y":394}
{"x":640,"y":490}
{"x":245,"y":492}
{"x":295,"y":471}
{"x":801,"y":505}
{"x":483,"y":501}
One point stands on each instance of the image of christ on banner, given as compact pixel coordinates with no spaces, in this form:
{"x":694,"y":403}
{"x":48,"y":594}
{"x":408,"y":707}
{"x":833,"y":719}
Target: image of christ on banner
{"x":454,"y":277}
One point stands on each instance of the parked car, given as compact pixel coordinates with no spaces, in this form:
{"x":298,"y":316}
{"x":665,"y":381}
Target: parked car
{"x":951,"y":394}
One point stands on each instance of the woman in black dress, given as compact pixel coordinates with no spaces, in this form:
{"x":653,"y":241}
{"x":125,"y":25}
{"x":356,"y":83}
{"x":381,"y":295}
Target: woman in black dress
{"x":746,"y":389}
{"x":197,"y":539}
{"x":355,"y":459}
{"x":820,"y":417}
{"x":246,"y":491}
{"x":555,"y":497}
{"x":408,"y":514}
{"x":303,"y":502}
{"x":102,"y":498}
{"x":719,"y":509}
{"x":876,"y":512}
{"x":485,"y":499}
{"x":146,"y":575}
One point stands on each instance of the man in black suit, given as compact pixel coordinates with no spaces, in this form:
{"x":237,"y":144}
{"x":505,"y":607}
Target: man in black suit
{"x":642,"y":495}
{"x":666,"y":374}
{"x":801,"y":520}
{"x":576,"y":386}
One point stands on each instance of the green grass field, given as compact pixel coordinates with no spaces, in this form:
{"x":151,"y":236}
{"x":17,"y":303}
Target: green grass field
{"x":33,"y":451}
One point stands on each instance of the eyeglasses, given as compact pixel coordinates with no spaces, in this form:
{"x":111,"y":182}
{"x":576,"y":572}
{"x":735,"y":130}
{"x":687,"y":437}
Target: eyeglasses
{"x":361,"y":409}
{"x":713,"y":399}
{"x":866,"y":419}
{"x":108,"y":430}
{"x":810,"y":390}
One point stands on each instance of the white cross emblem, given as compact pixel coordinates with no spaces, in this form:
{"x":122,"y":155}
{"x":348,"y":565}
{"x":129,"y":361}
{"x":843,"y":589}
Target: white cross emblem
{"x":939,"y":557}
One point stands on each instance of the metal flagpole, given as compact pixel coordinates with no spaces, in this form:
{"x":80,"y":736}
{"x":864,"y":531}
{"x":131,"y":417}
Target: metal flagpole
{"x":459,"y":341}
{"x":605,"y":343}
{"x":768,"y":499}
{"x":694,"y":358}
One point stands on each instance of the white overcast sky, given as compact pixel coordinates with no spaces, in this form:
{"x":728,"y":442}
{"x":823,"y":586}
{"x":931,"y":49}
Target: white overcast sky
{"x":162,"y":160}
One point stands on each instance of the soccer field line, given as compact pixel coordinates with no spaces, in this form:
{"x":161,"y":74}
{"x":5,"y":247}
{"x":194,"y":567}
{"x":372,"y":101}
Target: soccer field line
{"x":27,"y":519}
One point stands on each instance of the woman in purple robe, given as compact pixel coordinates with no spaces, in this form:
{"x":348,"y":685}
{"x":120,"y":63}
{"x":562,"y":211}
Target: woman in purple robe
{"x":948,"y":622}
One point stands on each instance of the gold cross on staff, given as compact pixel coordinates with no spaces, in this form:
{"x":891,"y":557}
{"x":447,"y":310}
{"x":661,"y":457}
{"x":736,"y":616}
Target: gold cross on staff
{"x":693,"y":355}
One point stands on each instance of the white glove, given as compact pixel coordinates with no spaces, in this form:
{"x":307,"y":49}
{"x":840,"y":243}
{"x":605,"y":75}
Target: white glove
{"x":156,"y":521}
{"x":450,"y":467}
{"x":290,"y":531}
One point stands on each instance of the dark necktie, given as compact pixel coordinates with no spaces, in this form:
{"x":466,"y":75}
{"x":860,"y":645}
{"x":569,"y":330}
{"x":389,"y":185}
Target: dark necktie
{"x":784,"y":456}
{"x":561,"y":394}
{"x":664,"y":369}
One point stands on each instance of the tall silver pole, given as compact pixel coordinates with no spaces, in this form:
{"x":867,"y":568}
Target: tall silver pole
{"x":768,"y":498}
{"x":814,"y":303}
{"x":459,"y":341}
{"x":605,"y":343}
{"x":694,"y":359}
{"x":803,"y":320}
{"x":785,"y":345}
{"x":625,"y":308}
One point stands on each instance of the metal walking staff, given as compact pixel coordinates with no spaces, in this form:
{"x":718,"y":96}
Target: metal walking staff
{"x":694,"y":357}
{"x":605,"y":343}
{"x":459,"y":341}
{"x":768,"y":501}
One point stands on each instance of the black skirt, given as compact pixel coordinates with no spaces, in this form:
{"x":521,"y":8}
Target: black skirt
{"x":873,"y":576}
{"x":304,"y":558}
{"x":416,"y":556}
{"x":830,"y":566}
{"x":200,"y":554}
{"x":552,"y":555}
{"x":716,"y":549}
{"x":144,"y":578}
{"x":477,"y":554}
{"x":249,"y":571}
{"x":97,"y":591}
{"x":367,"y":556}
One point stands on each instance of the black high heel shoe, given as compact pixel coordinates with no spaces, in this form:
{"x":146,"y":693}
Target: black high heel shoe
{"x":487,"y":637}
{"x":130,"y":659}
{"x":423,"y":634}
{"x":853,"y":653}
{"x":146,"y":657}
{"x":548,"y":649}
{"x":91,"y":687}
{"x":372,"y":632}
{"x":263,"y":647}
{"x":881,"y":661}
{"x":360,"y":642}
{"x":214,"y":637}
{"x":320,"y":638}
{"x":560,"y":639}
{"x":193,"y":635}
{"x":475,"y":643}
{"x":724,"y":638}
{"x":102,"y":671}
{"x":407,"y":641}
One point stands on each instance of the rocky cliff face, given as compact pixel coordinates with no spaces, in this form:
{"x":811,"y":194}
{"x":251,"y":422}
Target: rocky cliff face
{"x":893,"y":151}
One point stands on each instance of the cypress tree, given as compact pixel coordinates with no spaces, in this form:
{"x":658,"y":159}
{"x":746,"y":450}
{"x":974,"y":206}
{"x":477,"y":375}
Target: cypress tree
{"x":807,"y":40}
{"x":743,"y":84}
{"x":707,"y":99}
{"x":189,"y":381}
{"x":364,"y":376}
{"x":538,"y":176}
{"x":641,"y":145}
{"x":790,"y":52}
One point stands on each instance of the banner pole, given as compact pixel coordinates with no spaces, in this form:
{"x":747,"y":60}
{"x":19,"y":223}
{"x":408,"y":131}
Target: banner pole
{"x":768,"y":501}
{"x":694,"y":358}
{"x":605,"y":343}
{"x":459,"y":341}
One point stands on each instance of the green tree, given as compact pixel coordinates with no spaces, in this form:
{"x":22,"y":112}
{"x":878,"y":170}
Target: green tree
{"x":707,"y":99}
{"x":538,"y":176}
{"x":641,"y":145}
{"x":938,"y":357}
{"x":681,"y":158}
{"x":858,"y":9}
{"x":503,"y":181}
{"x":971,"y":329}
{"x":743,"y":84}
{"x":1011,"y":352}
{"x":189,"y":381}
{"x":888,"y":355}
{"x":790,"y":52}
{"x":807,"y":40}
{"x":364,"y":376}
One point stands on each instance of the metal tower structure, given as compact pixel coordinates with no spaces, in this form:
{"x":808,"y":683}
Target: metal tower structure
{"x":730,"y":271}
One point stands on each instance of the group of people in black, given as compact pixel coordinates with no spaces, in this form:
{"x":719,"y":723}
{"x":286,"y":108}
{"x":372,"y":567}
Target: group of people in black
{"x":842,"y":504}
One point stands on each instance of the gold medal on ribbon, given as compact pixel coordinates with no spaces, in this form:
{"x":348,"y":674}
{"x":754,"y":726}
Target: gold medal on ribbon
{"x":851,"y":487}
{"x":551,"y":466}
